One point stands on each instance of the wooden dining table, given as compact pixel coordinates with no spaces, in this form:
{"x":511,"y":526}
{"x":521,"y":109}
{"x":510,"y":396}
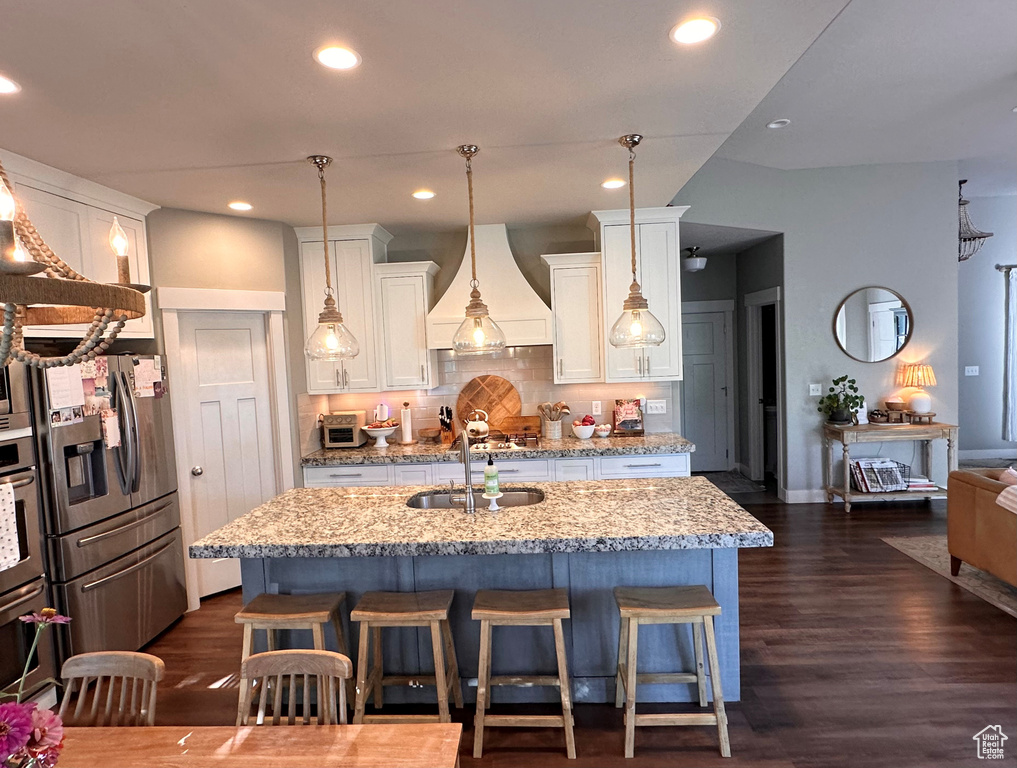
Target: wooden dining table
{"x":416,"y":745}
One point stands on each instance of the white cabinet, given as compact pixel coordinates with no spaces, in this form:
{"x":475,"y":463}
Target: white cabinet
{"x":525,"y":470}
{"x":79,"y":234}
{"x":347,"y":475}
{"x":352,"y":255}
{"x":403,"y":297}
{"x":412,"y":474}
{"x":576,"y":309}
{"x":575,"y":469}
{"x":659,"y":275}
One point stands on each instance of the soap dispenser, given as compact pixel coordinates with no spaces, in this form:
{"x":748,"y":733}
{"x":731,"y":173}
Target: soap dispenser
{"x":491,"y":477}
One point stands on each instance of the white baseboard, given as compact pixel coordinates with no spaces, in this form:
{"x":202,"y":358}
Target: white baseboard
{"x":997,"y":453}
{"x":807,"y":496}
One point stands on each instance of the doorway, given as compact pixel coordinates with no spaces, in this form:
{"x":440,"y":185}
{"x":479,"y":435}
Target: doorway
{"x":230,"y":415}
{"x":707,"y":388}
{"x":764,"y":404}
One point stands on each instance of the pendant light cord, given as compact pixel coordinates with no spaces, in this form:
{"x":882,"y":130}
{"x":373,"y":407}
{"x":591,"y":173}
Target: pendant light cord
{"x":473,"y":239}
{"x":632,"y":211}
{"x":324,"y":231}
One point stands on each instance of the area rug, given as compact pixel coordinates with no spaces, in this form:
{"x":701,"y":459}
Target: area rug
{"x":733,"y":482}
{"x":986,"y":463}
{"x":931,"y":552}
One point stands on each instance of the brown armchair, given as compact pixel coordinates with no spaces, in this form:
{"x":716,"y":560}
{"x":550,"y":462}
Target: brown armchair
{"x":979,"y":532}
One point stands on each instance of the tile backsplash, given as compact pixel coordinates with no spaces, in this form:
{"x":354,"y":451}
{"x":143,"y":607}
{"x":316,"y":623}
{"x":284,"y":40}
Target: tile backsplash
{"x":528,"y":368}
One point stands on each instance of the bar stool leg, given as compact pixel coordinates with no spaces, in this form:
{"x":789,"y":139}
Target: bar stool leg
{"x":623,"y":645}
{"x":440,"y":681}
{"x":630,"y":689}
{"x":453,"y":664}
{"x":318,"y":637}
{"x":378,"y":665}
{"x":718,"y":696}
{"x":565,"y":688}
{"x":270,"y":639}
{"x":340,"y":637}
{"x":362,"y":665}
{"x":483,"y":681}
{"x":248,"y":646}
{"x":697,"y":641}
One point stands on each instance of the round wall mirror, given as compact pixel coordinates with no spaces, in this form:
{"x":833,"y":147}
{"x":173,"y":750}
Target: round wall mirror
{"x":873,"y":324}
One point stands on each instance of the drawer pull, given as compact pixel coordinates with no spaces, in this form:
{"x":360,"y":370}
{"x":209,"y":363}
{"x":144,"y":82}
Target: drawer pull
{"x":347,"y":474}
{"x":500,"y":471}
{"x":106,"y":534}
{"x":128,"y":570}
{"x":641,"y":466}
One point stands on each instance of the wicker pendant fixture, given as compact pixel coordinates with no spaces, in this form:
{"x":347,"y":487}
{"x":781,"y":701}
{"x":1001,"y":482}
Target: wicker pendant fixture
{"x":637,"y":327}
{"x":59,"y":296}
{"x":331,"y":340}
{"x":970,"y":240}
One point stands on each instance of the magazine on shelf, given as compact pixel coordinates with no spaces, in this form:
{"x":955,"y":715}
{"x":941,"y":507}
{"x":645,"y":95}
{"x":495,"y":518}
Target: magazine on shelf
{"x":878,"y":475}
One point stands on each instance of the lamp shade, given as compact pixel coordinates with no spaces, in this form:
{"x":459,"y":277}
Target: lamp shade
{"x":918,"y":375}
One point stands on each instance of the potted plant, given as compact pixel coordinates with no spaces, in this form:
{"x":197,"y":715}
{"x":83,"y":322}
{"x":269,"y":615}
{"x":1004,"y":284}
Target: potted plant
{"x":842,"y":402}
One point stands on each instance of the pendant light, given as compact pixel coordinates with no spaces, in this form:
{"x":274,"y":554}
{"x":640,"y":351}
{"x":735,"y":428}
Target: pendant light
{"x":970,"y":240}
{"x":331,"y":340}
{"x":637,"y":327}
{"x":478,"y":334}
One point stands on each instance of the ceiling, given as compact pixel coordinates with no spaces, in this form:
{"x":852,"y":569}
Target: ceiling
{"x":716,"y":240}
{"x":192,"y":104}
{"x":897,"y":81}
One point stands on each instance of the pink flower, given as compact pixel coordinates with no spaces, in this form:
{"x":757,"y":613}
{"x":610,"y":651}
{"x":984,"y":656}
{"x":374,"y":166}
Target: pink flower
{"x":44,"y":617}
{"x":47,"y":729}
{"x":15,"y":728}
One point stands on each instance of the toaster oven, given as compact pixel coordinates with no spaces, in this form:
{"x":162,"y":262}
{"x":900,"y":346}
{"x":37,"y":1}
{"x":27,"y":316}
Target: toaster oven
{"x":343,"y":429}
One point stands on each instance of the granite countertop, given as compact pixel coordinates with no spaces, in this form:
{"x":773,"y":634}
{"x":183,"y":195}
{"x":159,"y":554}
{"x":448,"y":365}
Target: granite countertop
{"x":426,"y":453}
{"x":595,"y":516}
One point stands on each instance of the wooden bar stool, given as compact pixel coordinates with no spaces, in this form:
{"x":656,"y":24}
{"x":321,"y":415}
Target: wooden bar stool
{"x":668,"y":605}
{"x":275,"y":612}
{"x":539,"y":607}
{"x":405,"y":609}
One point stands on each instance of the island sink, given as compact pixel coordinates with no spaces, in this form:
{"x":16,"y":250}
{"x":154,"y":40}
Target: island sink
{"x":519,"y":497}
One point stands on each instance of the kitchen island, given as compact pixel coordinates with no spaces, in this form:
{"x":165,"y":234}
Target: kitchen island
{"x":586,"y":537}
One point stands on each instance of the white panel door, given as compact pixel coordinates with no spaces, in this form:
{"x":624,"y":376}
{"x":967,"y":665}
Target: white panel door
{"x":705,"y":399}
{"x":578,"y":339}
{"x":103,"y":264}
{"x":230,"y":446}
{"x":621,"y":364}
{"x":354,"y":292}
{"x":403,"y":314}
{"x":660,"y":278}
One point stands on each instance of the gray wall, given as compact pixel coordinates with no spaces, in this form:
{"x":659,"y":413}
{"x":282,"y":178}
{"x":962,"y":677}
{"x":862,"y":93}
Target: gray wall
{"x":715,"y":283}
{"x":846,"y":228}
{"x":981,"y":325}
{"x":189,"y":249}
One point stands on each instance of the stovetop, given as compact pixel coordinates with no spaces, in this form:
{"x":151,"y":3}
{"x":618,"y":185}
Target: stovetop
{"x":502,"y":441}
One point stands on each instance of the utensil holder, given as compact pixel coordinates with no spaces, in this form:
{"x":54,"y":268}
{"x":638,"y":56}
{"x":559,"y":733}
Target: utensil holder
{"x":551,"y":429}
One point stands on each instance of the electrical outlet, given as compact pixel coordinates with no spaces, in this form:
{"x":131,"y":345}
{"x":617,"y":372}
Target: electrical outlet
{"x":595,"y":408}
{"x":815,"y":390}
{"x":656,"y":406}
{"x":971,"y":370}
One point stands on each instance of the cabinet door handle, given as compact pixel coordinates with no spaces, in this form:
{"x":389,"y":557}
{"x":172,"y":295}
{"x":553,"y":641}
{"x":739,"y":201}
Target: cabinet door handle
{"x":641,"y":466}
{"x":560,"y":374}
{"x":647,"y":365}
{"x":347,"y":474}
{"x":423,"y":373}
{"x":338,"y":378}
{"x":639,"y":361}
{"x":346,"y":376}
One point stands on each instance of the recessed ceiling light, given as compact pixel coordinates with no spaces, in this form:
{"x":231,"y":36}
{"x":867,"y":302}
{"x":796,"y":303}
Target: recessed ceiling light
{"x":423,"y":194}
{"x":695,"y":30}
{"x":781,"y":122}
{"x":613,"y":184}
{"x":8,"y":86}
{"x":1014,"y":110}
{"x":240,"y":205}
{"x":337,"y":57}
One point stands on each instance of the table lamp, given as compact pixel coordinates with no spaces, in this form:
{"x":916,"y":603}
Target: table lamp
{"x":919,"y":375}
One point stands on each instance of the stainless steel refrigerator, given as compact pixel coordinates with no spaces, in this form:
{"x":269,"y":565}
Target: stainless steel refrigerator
{"x":112,"y":518}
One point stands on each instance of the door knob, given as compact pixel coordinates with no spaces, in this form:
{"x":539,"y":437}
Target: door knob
{"x":197,"y":471}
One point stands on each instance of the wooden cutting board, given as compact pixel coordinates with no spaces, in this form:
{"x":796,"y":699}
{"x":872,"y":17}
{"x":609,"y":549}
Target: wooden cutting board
{"x":489,"y":393}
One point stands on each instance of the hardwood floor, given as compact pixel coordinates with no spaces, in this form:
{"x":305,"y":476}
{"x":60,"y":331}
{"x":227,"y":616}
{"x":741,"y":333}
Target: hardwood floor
{"x":852,"y":655}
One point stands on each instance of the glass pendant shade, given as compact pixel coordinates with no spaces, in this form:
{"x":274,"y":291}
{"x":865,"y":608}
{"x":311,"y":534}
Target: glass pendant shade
{"x":331,"y":341}
{"x":478,"y":335}
{"x":636,"y":328}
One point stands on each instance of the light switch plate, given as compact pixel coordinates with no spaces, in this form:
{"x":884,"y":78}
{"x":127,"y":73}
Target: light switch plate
{"x":815,"y":390}
{"x":595,"y":408}
{"x":656,"y":406}
{"x":971,"y":370}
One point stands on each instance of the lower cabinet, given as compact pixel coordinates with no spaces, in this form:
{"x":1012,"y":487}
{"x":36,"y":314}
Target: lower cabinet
{"x":510,"y":471}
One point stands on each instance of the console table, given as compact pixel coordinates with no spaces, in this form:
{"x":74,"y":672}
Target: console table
{"x":884,"y":433}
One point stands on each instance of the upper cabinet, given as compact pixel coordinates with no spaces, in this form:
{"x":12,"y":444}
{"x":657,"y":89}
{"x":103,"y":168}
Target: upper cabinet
{"x":353,"y":252}
{"x":658,"y":272}
{"x":578,"y":324}
{"x":74,"y":217}
{"x":402,"y":298}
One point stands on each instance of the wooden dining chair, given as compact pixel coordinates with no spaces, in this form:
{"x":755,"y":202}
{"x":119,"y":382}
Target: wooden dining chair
{"x":95,"y":676}
{"x":292,"y":673}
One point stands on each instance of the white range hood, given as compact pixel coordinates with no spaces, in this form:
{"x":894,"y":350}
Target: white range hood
{"x":514,"y":306}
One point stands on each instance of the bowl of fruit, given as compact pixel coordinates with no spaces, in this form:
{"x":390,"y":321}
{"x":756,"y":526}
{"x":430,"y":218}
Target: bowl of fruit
{"x":379,"y":430}
{"x":583,"y":428}
{"x":602,"y":430}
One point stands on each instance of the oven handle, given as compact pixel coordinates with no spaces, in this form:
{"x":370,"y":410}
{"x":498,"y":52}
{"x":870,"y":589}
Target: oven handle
{"x":126,"y":527}
{"x":23,"y":599}
{"x":129,"y":569}
{"x":23,"y":483}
